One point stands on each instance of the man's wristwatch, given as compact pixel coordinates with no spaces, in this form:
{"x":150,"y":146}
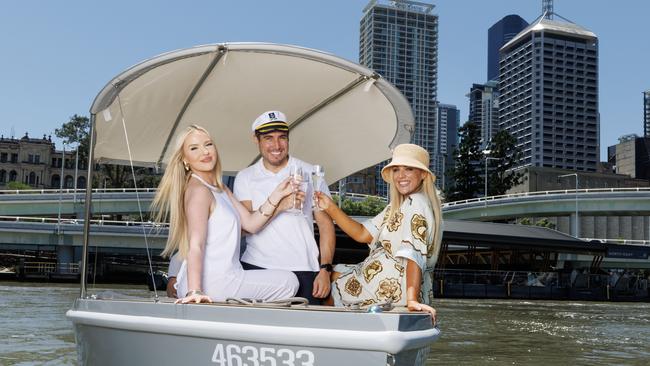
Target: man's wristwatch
{"x":328,"y":267}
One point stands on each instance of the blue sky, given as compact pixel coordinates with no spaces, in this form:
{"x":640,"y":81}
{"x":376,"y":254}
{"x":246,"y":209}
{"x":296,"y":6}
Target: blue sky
{"x":57,"y":55}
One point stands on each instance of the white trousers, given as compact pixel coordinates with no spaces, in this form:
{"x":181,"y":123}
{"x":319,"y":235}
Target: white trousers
{"x":262,"y":284}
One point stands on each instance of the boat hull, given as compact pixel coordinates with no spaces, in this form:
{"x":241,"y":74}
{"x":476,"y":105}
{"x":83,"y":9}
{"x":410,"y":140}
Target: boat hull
{"x":228,"y":335}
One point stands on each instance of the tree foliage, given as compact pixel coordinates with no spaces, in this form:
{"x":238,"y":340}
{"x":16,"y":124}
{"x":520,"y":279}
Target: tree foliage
{"x":18,"y":186}
{"x":466,"y":181}
{"x":501,"y":175}
{"x":544,"y":222}
{"x":371,"y":206}
{"x":77,"y":131}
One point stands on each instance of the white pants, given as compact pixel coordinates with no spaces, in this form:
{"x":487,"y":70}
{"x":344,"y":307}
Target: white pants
{"x":267,"y":284}
{"x":263,"y":284}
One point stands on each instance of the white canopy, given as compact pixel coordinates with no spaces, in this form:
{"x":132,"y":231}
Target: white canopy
{"x":341,"y":115}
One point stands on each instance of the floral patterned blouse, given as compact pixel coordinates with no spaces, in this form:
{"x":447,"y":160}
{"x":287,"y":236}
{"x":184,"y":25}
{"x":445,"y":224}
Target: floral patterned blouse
{"x":382,"y":276}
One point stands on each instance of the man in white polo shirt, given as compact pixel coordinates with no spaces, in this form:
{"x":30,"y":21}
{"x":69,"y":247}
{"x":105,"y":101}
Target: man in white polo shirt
{"x":287,"y":241}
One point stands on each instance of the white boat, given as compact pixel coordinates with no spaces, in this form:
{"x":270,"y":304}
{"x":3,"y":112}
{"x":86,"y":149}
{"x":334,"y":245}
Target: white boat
{"x":345,"y":117}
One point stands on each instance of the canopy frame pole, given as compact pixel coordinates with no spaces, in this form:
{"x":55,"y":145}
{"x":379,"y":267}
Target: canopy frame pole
{"x":220,"y":52}
{"x":360,"y":80}
{"x":87,"y":213}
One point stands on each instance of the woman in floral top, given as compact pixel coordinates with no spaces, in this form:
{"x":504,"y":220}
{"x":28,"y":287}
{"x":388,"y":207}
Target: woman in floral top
{"x":404,"y":239}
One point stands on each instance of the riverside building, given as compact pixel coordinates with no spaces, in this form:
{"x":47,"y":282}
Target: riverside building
{"x":399,"y":40}
{"x":36,"y":162}
{"x":548,"y":82}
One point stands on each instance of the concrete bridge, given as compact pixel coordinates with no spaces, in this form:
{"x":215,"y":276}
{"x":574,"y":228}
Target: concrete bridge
{"x":66,"y":237}
{"x":70,"y":202}
{"x":615,"y":214}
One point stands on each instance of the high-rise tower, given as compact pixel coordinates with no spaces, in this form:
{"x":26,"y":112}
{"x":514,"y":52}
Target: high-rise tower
{"x":499,"y":34}
{"x":548,"y":86}
{"x":399,"y":40}
{"x":646,"y":113}
{"x":448,"y":123}
{"x":484,"y":109}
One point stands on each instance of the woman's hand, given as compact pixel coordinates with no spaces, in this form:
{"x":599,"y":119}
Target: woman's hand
{"x":194,"y":298}
{"x":283,"y":189}
{"x":323,"y":201}
{"x":287,"y":202}
{"x":413,"y":305}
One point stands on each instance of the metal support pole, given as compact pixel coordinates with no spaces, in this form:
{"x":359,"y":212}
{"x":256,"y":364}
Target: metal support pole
{"x":87,"y":214}
{"x":58,"y":221}
{"x":577,"y":221}
{"x":76,"y":169}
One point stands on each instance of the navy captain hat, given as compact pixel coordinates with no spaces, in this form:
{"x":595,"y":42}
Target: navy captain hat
{"x":270,"y":121}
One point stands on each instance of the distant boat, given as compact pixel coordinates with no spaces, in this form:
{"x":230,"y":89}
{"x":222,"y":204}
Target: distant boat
{"x":345,"y":117}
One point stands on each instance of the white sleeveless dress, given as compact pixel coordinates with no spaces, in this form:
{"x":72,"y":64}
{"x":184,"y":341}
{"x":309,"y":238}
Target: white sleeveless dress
{"x":223,"y":275}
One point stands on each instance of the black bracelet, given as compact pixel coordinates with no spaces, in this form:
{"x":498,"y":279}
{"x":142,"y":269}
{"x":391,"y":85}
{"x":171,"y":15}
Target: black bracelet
{"x":194,"y":292}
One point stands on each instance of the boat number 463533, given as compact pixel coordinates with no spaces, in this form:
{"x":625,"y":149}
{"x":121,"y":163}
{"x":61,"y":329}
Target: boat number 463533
{"x":234,"y":355}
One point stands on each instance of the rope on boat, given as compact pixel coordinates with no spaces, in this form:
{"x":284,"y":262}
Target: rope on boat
{"x":137,"y":197}
{"x":288,"y":302}
{"x":374,"y":308}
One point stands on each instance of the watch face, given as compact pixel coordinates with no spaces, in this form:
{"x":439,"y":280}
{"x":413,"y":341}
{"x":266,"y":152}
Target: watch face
{"x":327,"y":267}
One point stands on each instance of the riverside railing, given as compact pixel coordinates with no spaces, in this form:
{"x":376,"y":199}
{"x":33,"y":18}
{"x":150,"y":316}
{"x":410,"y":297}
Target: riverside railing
{"x":544,"y":193}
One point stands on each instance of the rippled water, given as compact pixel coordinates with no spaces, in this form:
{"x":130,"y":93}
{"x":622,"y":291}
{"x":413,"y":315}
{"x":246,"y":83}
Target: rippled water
{"x":475,"y":332}
{"x":501,"y":332}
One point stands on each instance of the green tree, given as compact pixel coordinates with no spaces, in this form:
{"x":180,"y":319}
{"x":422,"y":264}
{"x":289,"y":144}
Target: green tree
{"x":544,"y":222}
{"x":77,"y":131}
{"x":466,"y":181}
{"x":501,"y":175}
{"x":370,"y":206}
{"x":18,"y":186}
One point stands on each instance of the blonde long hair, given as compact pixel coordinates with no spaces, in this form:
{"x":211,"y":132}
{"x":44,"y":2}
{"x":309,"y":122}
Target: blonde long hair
{"x":428,"y":188}
{"x":168,"y":204}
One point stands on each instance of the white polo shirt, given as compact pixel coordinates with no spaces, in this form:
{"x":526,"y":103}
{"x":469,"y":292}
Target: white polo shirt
{"x":287,"y":241}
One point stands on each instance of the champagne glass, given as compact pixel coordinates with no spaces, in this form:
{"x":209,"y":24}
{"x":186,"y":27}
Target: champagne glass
{"x":296,"y":174}
{"x":317,"y":178}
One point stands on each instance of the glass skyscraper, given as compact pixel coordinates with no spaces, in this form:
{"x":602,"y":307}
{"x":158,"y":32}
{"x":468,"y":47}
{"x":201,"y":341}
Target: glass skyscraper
{"x":499,"y":34}
{"x":399,"y":40}
{"x":548,"y":84}
{"x":484,"y":110}
{"x":448,"y":123}
{"x":646,"y":113}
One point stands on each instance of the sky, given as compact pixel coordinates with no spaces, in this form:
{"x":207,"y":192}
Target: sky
{"x":57,"y":55}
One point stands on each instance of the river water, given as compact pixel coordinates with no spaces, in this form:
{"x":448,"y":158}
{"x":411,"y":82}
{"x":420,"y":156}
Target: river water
{"x":475,"y":332}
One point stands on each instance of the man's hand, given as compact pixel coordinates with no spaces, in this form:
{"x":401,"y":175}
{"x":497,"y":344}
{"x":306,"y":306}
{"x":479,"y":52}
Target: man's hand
{"x":171,"y":290}
{"x":321,"y":285}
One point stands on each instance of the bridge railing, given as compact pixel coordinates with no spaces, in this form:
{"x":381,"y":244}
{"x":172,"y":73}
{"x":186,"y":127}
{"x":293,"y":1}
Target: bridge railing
{"x":544,"y":193}
{"x":50,"y":267}
{"x":77,"y":191}
{"x":619,"y":241}
{"x":100,"y":222}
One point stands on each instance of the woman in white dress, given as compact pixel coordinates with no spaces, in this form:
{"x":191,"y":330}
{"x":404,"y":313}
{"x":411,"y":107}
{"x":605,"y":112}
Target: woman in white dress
{"x":205,"y":227}
{"x":404,"y":239}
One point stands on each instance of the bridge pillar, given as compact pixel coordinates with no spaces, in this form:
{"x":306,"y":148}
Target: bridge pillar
{"x":79,"y":209}
{"x":572,"y":225}
{"x":638,"y":230}
{"x":600,"y":227}
{"x":64,"y":255}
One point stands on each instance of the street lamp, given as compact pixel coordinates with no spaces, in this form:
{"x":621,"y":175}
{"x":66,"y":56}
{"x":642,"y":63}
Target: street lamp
{"x":577,"y":226}
{"x":76,"y":169}
{"x":485,"y":155}
{"x":58,"y":222}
